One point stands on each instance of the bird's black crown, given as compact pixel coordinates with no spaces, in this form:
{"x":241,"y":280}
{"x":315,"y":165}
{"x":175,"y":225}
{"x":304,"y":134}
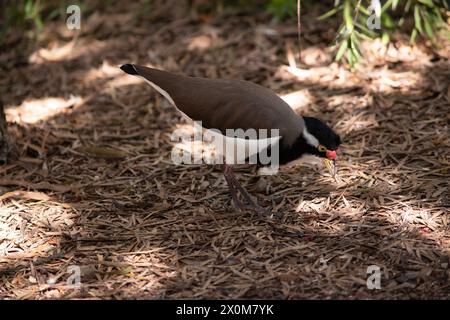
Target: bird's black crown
{"x":326,"y":136}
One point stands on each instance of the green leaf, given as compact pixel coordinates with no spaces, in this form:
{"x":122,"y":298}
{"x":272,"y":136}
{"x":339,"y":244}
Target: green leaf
{"x":354,"y":39}
{"x":366,"y":31}
{"x":351,"y":58}
{"x":428,"y":28}
{"x":53,"y":14}
{"x":438,"y":16}
{"x":412,"y":39}
{"x":282,"y":8}
{"x":417,"y":19}
{"x":354,"y":44}
{"x":364,"y":10}
{"x":385,"y":38}
{"x":428,"y":3}
{"x":347,"y":15}
{"x":28,"y":8}
{"x":330,"y":13}
{"x":387,"y":21}
{"x":386,"y":5}
{"x":356,"y":53}
{"x":394,"y":4}
{"x":38,"y":22}
{"x":364,"y":36}
{"x":407,"y":6}
{"x":343,"y":47}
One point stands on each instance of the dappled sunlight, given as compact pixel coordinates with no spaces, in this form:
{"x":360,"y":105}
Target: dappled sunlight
{"x":351,"y":211}
{"x":188,"y":138}
{"x":32,"y":226}
{"x":335,"y":76}
{"x":54,"y":53}
{"x":386,"y":81}
{"x":90,"y":181}
{"x":123,"y":80}
{"x":31,"y":236}
{"x":68,"y":51}
{"x":201,"y":43}
{"x":38,"y":231}
{"x":33,"y":111}
{"x":299,"y":99}
{"x":105,"y":71}
{"x":376,"y":52}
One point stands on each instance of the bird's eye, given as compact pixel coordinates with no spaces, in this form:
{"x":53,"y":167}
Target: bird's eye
{"x":321,"y":148}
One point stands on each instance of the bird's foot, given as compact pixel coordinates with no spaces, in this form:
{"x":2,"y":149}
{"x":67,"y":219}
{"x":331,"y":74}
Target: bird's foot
{"x":248,"y":204}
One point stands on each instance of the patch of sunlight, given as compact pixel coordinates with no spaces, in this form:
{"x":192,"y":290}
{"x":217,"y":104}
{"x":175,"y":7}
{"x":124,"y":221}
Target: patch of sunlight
{"x":330,"y":76}
{"x":32,"y":111}
{"x":124,"y":80}
{"x":31,"y":229}
{"x":106,"y":70}
{"x":192,"y":143}
{"x":381,"y":79}
{"x":316,"y":56}
{"x":410,"y":215}
{"x":318,"y":205}
{"x":54,"y":53}
{"x":200,"y":43}
{"x":385,"y":80}
{"x":60,"y":52}
{"x":402,"y":51}
{"x":298,"y":99}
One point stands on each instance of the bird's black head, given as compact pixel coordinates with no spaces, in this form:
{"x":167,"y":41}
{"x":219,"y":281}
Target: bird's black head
{"x":320,"y":139}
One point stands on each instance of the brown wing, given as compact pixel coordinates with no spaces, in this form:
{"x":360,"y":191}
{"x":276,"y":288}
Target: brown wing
{"x":227,"y":104}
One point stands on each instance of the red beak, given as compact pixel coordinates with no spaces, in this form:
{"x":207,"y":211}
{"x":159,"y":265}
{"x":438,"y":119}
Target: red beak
{"x":331,"y":154}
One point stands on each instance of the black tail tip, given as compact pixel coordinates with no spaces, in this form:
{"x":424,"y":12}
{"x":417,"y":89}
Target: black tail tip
{"x":129,"y":68}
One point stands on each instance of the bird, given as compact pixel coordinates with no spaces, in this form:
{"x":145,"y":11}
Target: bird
{"x":228,"y":104}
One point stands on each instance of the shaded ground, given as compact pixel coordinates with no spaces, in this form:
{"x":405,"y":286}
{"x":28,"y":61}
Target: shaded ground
{"x":92,"y":185}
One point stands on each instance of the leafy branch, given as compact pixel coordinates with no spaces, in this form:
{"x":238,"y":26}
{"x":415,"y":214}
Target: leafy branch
{"x":358,"y":22}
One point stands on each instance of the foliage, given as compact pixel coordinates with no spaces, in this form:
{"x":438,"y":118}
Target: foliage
{"x":28,"y":15}
{"x":428,"y":19}
{"x":421,"y":18}
{"x":282,"y":8}
{"x":358,"y":21}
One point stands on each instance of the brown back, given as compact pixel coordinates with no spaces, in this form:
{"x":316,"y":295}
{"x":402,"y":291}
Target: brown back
{"x":228,"y":104}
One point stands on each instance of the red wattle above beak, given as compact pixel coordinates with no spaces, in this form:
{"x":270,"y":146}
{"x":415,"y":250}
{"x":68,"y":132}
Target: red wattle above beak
{"x":331,"y":154}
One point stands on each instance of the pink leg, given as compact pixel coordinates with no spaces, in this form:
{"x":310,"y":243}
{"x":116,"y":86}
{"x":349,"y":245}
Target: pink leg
{"x":235,"y":187}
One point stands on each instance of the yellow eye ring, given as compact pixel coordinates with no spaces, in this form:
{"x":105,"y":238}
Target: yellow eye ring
{"x":321,"y":148}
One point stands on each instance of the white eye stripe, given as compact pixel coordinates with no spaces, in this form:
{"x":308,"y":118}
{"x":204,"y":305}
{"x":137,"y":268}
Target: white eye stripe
{"x":310,"y":139}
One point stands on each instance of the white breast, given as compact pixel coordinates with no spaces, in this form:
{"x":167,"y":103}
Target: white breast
{"x":236,"y":150}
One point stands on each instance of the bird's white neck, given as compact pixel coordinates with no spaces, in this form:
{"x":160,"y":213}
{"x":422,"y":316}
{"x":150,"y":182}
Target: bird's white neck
{"x":310,"y":139}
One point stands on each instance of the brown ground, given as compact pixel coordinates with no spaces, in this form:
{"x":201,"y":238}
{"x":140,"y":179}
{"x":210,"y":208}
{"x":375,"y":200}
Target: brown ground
{"x":92,"y":184}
